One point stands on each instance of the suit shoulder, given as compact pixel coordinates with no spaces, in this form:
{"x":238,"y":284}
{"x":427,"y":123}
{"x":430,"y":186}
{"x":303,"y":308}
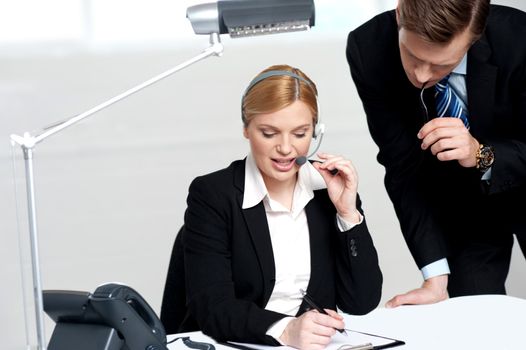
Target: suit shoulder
{"x":506,"y":12}
{"x":373,"y":54}
{"x":373,"y":46}
{"x":220,"y":180}
{"x":380,"y":26}
{"x":504,"y":26}
{"x":506,"y":20}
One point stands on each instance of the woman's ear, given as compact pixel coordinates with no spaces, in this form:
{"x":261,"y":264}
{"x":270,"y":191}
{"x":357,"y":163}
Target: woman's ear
{"x":245,"y":132}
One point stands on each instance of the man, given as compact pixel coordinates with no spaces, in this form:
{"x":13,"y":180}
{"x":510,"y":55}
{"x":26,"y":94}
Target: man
{"x":457,"y":183}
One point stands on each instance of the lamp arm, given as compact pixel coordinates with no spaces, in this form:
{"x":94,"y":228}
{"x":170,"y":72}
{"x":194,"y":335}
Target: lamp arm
{"x":29,"y":141}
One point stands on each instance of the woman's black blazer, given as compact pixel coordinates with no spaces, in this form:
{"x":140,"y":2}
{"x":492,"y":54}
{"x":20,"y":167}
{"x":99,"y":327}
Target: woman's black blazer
{"x":229,"y":263}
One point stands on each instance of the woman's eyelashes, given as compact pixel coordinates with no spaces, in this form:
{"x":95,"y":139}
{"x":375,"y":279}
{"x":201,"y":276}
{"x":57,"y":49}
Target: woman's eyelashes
{"x":268,"y":134}
{"x":271,"y":134}
{"x":301,"y":133}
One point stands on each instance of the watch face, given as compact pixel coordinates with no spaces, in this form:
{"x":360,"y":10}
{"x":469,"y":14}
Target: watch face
{"x":486,"y":157}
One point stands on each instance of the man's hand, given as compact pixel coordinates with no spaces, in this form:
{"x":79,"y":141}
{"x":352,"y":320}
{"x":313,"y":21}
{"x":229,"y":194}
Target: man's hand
{"x":312,"y":330}
{"x":449,"y":139}
{"x":432,"y":291}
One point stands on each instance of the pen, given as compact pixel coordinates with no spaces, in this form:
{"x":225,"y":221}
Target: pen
{"x":312,"y":304}
{"x":333,"y":171}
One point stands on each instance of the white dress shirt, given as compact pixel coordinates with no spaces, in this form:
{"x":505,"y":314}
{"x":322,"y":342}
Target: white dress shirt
{"x":289,"y":234}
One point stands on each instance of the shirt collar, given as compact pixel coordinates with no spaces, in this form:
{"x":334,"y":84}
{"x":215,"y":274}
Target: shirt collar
{"x":462,"y":66}
{"x":309,"y":180}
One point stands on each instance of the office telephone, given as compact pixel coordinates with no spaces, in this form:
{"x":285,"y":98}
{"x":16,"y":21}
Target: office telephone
{"x":113,"y":317}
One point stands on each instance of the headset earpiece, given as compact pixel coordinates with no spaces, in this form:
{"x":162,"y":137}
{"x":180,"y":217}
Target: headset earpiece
{"x":319,"y":129}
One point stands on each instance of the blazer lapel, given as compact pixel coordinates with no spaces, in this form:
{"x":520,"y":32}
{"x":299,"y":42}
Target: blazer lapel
{"x":317,"y":227}
{"x":257,"y":225}
{"x":480,"y":83}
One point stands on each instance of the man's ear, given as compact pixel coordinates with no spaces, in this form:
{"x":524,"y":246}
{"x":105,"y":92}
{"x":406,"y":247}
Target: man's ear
{"x":397,"y":11}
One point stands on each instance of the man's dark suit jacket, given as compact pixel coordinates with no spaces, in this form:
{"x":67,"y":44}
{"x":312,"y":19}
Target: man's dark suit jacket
{"x":229,"y":263}
{"x":444,"y":209}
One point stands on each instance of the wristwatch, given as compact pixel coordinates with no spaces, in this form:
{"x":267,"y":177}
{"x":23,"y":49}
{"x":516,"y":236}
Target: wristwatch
{"x":485,"y":157}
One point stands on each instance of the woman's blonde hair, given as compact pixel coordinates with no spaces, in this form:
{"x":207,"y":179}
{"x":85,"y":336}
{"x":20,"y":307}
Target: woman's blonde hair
{"x":277,"y":92}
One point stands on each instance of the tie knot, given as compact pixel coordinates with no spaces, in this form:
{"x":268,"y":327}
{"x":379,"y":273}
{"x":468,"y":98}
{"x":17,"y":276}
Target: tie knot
{"x":444,"y":80}
{"x":442,"y":84}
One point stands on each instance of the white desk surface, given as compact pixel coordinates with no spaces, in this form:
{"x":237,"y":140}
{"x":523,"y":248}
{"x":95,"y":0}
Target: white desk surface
{"x":474,"y":322}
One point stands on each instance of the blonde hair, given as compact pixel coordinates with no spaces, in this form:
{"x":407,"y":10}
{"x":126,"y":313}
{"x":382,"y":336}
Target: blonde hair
{"x":277,"y":92}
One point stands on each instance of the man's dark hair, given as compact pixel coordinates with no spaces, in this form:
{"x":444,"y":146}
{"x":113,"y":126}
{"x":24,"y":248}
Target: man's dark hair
{"x":438,"y":21}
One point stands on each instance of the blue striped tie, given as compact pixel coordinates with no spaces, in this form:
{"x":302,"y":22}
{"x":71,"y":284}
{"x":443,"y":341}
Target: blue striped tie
{"x":448,"y":103}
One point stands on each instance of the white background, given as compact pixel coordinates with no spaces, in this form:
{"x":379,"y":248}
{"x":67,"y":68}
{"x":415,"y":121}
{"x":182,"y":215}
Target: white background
{"x":111,"y":190}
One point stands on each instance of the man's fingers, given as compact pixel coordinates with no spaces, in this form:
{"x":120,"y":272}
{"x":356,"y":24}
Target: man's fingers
{"x":436,"y":135}
{"x":438,"y":123}
{"x":400,"y":299}
{"x":416,"y":296}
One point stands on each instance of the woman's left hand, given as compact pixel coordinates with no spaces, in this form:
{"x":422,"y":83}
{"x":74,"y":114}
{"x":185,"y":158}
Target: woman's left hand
{"x":342,"y":187}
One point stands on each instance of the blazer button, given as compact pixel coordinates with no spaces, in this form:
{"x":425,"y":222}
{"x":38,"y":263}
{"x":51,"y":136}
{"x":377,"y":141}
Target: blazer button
{"x":354,"y":251}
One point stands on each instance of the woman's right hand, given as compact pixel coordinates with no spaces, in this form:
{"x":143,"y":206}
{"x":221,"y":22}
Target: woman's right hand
{"x":312,"y":330}
{"x":341,"y":187}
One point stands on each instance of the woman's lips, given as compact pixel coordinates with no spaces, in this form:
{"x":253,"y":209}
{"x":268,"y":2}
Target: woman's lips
{"x":283,"y":164}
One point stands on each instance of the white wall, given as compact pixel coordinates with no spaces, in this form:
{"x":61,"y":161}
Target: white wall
{"x":111,"y":191}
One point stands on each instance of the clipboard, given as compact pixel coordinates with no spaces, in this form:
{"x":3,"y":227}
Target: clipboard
{"x":386,"y":342}
{"x":354,"y":340}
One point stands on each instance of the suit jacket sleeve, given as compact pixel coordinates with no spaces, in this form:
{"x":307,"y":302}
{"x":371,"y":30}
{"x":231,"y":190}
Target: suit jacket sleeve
{"x":509,"y":169}
{"x":507,"y":109}
{"x":211,"y":297}
{"x":344,"y":265}
{"x":358,"y":275}
{"x":393,"y":128}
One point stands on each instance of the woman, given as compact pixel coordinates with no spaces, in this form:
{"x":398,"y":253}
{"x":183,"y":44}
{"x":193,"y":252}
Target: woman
{"x":263,"y":229}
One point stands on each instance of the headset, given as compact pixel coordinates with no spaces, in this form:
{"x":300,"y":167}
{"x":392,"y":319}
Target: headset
{"x":319,"y":128}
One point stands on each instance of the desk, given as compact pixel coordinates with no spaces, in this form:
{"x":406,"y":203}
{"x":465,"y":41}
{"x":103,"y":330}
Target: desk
{"x":474,"y":322}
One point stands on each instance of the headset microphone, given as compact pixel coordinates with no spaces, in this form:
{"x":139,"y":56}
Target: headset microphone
{"x":318,"y":132}
{"x":301,"y":160}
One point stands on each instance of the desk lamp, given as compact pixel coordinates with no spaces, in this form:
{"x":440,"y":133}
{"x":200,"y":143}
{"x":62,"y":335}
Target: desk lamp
{"x":238,"y":18}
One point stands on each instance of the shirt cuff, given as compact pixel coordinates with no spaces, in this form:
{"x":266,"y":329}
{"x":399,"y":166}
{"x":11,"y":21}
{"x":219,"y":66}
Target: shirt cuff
{"x":276,"y":330}
{"x":345,"y":225}
{"x":437,"y":268}
{"x":487,"y":175}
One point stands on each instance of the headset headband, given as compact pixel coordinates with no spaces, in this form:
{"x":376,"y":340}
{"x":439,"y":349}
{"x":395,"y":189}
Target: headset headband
{"x":277,"y":72}
{"x":274,"y":73}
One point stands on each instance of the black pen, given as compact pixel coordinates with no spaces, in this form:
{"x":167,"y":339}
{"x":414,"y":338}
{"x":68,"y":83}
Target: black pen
{"x":333,"y":171}
{"x":315,"y":306}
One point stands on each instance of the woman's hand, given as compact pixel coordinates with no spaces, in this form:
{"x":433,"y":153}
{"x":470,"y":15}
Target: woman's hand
{"x":342,"y":187}
{"x":312,"y":330}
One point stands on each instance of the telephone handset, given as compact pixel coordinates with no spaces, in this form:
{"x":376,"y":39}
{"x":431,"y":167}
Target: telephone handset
{"x":114,"y":317}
